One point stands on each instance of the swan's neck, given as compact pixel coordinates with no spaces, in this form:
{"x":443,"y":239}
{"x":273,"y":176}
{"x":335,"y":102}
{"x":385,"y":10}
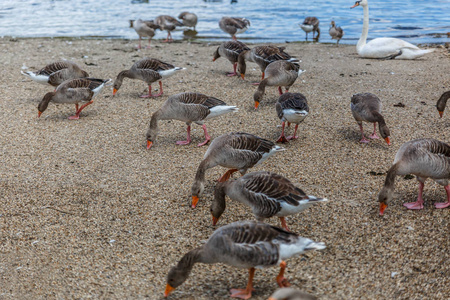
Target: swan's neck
{"x":365,"y":30}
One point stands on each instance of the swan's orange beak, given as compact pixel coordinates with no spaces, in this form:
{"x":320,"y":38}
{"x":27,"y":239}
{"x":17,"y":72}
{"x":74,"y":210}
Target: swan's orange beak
{"x":356,"y":4}
{"x":214,"y":220}
{"x":168,"y":290}
{"x":441,"y":113}
{"x":382,"y":208}
{"x":39,"y":113}
{"x":149,"y":144}
{"x":388,"y":141}
{"x":242,"y":76}
{"x":114,"y":92}
{"x":194,"y":201}
{"x":256,"y":104}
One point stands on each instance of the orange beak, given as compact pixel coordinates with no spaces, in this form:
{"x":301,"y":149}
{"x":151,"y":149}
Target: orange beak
{"x":39,"y":113}
{"x":242,"y":76}
{"x":356,"y":4}
{"x":382,"y":208}
{"x":214,"y":59}
{"x":194,"y":201}
{"x":168,"y":290}
{"x":149,"y":144}
{"x":441,"y":113}
{"x":270,"y":298}
{"x":388,"y":141}
{"x":256,"y":104}
{"x":214,"y":220}
{"x":114,"y":92}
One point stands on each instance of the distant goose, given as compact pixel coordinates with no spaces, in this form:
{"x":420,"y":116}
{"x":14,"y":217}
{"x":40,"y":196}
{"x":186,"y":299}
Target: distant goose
{"x":425,"y":158}
{"x":57,"y":72}
{"x":336,"y":32}
{"x":389,"y":48}
{"x":74,"y":91}
{"x":144,"y":28}
{"x":367,"y":107}
{"x":169,"y":24}
{"x":291,"y":294}
{"x":278,"y":73}
{"x":148,"y":70}
{"x":291,"y":108}
{"x":267,"y":194}
{"x":311,"y":24}
{"x":237,"y":151}
{"x":188,"y":107}
{"x":246,"y":245}
{"x":189,"y":19}
{"x":234,"y":26}
{"x":230,"y":50}
{"x":442,"y":103}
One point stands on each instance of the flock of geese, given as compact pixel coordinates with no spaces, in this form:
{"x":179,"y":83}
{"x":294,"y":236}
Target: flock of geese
{"x":248,"y":244}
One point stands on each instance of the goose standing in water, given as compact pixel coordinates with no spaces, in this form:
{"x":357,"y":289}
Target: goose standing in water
{"x":56,"y":73}
{"x":291,"y":108}
{"x":425,"y":158}
{"x":189,"y":19}
{"x":188,"y":107}
{"x":144,"y":28}
{"x":231,"y":51}
{"x":336,"y":33}
{"x":387,"y":48}
{"x":169,"y":24}
{"x":367,"y":107}
{"x":246,"y":245}
{"x":442,"y":103}
{"x":311,"y":24}
{"x":233,"y":26}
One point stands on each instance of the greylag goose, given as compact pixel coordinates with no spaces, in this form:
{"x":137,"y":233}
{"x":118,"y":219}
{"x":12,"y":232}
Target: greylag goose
{"x":169,"y":24}
{"x":233,"y":26}
{"x":266,"y":193}
{"x":236,"y":151}
{"x":367,"y":107}
{"x":311,"y":24}
{"x":148,"y":70}
{"x":230,"y":50}
{"x":189,"y":19}
{"x":144,"y":28}
{"x":246,"y":245}
{"x":188,"y":107}
{"x":278,"y":73}
{"x":291,"y":294}
{"x":291,"y":108}
{"x":57,"y":72}
{"x":442,"y":103}
{"x":336,"y":33}
{"x":425,"y":158}
{"x":74,"y":91}
{"x":262,"y":56}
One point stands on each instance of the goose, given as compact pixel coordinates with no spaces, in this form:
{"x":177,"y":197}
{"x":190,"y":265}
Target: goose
{"x":237,"y":151}
{"x":336,"y":32}
{"x":189,"y":19}
{"x":56,"y":72}
{"x":74,"y":91}
{"x":442,"y":102}
{"x":267,"y":194}
{"x":169,"y":24}
{"x":289,"y":293}
{"x":149,"y":70}
{"x":387,"y":48}
{"x":144,"y":28}
{"x":425,"y":158}
{"x":311,"y":24}
{"x":278,"y":73}
{"x":188,"y":107}
{"x":367,"y":107}
{"x":230,"y":50}
{"x":262,"y":56}
{"x":291,"y":108}
{"x":233,"y":26}
{"x":246,"y":245}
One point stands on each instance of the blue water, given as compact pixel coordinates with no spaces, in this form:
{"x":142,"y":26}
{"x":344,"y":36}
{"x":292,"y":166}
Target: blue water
{"x":418,"y":21}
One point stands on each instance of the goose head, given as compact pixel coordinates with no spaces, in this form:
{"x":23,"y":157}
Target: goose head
{"x":197,"y":189}
{"x":177,"y":275}
{"x":151,"y":136}
{"x":44,"y":102}
{"x":384,"y":132}
{"x":216,"y":54}
{"x":384,"y":197}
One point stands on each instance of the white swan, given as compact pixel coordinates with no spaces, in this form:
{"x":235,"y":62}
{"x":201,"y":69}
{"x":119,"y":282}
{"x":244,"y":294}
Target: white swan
{"x":384,"y":47}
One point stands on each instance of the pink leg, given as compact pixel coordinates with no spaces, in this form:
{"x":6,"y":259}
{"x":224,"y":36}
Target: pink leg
{"x":293,"y":137}
{"x":149,"y":41}
{"x":247,"y":292}
{"x":150,"y":92}
{"x":283,"y":223}
{"x":234,"y":71}
{"x":444,"y":204}
{"x":207,"y":137}
{"x":77,"y":113}
{"x":139,"y":46}
{"x":234,"y":37}
{"x":363,"y":139}
{"x":160,"y":88}
{"x":227,"y":175}
{"x":282,"y":138}
{"x":76,"y":107}
{"x":280,"y":90}
{"x":188,"y":140}
{"x":374,"y":134}
{"x":167,"y":38}
{"x":419,"y":203}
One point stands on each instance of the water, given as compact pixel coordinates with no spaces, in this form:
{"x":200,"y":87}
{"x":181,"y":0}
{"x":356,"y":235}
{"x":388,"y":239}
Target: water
{"x":417,"y":21}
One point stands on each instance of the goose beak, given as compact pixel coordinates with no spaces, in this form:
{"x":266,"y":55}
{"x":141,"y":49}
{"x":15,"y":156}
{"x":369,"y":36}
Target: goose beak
{"x":356,"y":4}
{"x":214,"y":59}
{"x":242,"y":76}
{"x":149,"y":144}
{"x":194,"y":201}
{"x":114,"y":92}
{"x":214,"y":220}
{"x":441,"y":113}
{"x":39,"y":113}
{"x":388,"y":141}
{"x":271,"y":298}
{"x":256,"y":104}
{"x":382,"y":208}
{"x":168,"y":290}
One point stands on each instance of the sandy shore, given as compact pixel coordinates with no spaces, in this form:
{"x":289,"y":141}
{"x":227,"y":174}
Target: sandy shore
{"x":88,"y":212}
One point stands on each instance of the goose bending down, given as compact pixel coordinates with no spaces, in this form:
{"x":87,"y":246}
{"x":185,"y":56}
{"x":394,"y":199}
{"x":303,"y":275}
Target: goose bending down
{"x":188,"y":107}
{"x":278,"y":73}
{"x":237,"y":151}
{"x":291,"y":108}
{"x":311,"y":24}
{"x":189,"y":19}
{"x":262,"y":56}
{"x":246,"y":245}
{"x":442,"y":103}
{"x":74,"y":91}
{"x":425,"y":158}
{"x":266,"y":193}
{"x":169,"y":24}
{"x":230,"y":50}
{"x":233,"y":26}
{"x":336,"y":32}
{"x":148,"y":70}
{"x":367,"y":107}
{"x":144,"y":28}
{"x":387,"y":48}
{"x":57,"y":72}
{"x":291,"y":294}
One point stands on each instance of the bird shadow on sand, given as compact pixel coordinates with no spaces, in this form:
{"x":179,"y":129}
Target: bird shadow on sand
{"x":354,"y":136}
